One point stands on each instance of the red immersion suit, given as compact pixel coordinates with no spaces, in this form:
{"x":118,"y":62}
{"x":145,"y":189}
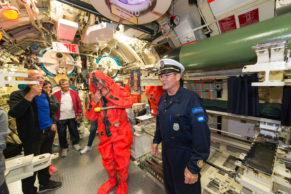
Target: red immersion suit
{"x":154,"y":94}
{"x":114,"y":132}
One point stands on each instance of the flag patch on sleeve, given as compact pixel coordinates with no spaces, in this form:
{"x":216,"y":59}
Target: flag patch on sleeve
{"x":201,"y":119}
{"x":197,"y":110}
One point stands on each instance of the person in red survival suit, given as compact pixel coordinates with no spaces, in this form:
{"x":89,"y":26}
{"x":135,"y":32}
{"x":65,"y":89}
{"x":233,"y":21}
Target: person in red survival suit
{"x":114,"y":129}
{"x":154,"y":94}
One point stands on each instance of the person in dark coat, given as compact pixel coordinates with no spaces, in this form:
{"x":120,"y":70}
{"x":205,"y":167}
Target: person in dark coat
{"x":183,"y":131}
{"x":4,"y":131}
{"x":36,"y":128}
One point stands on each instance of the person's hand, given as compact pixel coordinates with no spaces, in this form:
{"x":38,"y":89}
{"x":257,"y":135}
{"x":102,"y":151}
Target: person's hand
{"x":49,"y":94}
{"x":189,"y":177}
{"x":35,"y":90}
{"x":78,"y":117}
{"x":53,"y":127}
{"x":155,"y":150}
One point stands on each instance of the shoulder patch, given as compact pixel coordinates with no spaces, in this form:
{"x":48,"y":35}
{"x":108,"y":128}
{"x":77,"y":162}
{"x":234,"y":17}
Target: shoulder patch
{"x":197,"y":110}
{"x":201,"y":119}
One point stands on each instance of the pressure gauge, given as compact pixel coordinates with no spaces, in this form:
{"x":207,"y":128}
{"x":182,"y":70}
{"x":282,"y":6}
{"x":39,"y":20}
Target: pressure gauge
{"x":109,"y":65}
{"x":174,"y":20}
{"x":177,"y":20}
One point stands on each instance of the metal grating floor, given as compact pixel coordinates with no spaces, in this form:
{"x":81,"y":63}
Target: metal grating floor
{"x":83,"y":174}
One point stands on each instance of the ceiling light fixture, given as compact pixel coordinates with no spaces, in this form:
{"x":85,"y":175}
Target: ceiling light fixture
{"x":9,"y":12}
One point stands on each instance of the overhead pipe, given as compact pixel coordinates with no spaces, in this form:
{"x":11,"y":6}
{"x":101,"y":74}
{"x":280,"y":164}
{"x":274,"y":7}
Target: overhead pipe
{"x":81,"y":5}
{"x":233,"y":48}
{"x":89,"y":8}
{"x":36,"y":13}
{"x":26,"y":4}
{"x":9,"y":39}
{"x":6,"y":37}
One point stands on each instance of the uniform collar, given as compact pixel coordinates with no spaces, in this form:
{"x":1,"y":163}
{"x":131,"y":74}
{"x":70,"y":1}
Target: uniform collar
{"x":177,"y":97}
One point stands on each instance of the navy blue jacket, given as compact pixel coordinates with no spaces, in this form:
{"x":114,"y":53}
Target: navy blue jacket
{"x":183,"y":124}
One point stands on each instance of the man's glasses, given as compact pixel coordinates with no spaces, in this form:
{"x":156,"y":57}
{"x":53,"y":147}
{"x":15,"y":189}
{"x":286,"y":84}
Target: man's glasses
{"x":37,"y":77}
{"x":166,"y":75}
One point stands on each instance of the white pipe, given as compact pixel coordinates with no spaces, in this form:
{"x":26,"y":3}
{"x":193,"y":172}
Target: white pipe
{"x":92,"y":19}
{"x":6,"y":36}
{"x":221,"y":131}
{"x":29,"y":12}
{"x":36,"y":12}
{"x":26,"y":4}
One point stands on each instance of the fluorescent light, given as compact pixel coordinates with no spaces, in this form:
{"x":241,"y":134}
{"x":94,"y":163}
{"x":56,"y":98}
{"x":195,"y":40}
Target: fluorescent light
{"x":10,"y":12}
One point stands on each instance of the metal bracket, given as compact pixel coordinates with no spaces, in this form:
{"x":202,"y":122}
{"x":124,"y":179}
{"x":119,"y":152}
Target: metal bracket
{"x":272,"y":58}
{"x":25,"y":166}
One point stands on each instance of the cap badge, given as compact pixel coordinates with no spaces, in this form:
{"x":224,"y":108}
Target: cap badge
{"x":162,"y":64}
{"x":176,"y":127}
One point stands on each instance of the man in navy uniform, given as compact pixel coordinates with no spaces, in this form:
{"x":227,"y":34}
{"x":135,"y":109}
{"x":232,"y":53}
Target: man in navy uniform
{"x":182,"y":128}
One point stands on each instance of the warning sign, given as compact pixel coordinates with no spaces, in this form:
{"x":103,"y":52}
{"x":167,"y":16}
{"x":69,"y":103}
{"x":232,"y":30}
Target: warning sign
{"x":249,"y":18}
{"x":65,"y":47}
{"x":227,"y":24}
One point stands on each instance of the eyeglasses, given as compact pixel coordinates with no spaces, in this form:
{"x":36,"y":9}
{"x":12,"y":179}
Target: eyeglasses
{"x":166,"y":75}
{"x":47,"y":86}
